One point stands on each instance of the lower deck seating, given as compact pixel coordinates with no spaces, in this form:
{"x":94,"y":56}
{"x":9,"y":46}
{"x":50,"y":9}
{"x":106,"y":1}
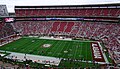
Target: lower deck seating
{"x":6,"y":30}
{"x":76,"y":28}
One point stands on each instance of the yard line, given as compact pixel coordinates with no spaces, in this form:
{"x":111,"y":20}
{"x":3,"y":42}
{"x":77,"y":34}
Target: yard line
{"x":37,"y":47}
{"x":80,"y":50}
{"x":72,"y":50}
{"x":26,"y":45}
{"x":36,"y":43}
{"x":86,"y":53}
{"x":75,"y":51}
{"x":86,"y":50}
{"x":67,"y":48}
{"x":54,"y":47}
{"x":62,"y":48}
{"x":22,"y":47}
{"x":57,"y":48}
{"x":51,"y":47}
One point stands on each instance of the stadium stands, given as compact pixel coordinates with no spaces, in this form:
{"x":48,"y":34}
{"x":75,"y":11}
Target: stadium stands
{"x":107,"y":32}
{"x":70,"y":12}
{"x":62,"y":26}
{"x":69,"y":26}
{"x":94,"y":30}
{"x":6,"y":29}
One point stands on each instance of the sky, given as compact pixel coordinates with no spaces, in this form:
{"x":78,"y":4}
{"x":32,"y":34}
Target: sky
{"x":11,"y":3}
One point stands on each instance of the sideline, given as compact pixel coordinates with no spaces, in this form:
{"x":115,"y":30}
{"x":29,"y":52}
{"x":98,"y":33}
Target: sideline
{"x":35,"y":58}
{"x":41,"y":59}
{"x":106,"y":60}
{"x":66,"y":39}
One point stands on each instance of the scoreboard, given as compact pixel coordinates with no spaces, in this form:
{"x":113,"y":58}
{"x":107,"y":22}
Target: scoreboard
{"x":9,"y":20}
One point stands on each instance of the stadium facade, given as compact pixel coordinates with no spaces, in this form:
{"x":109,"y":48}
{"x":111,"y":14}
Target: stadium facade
{"x":96,"y":22}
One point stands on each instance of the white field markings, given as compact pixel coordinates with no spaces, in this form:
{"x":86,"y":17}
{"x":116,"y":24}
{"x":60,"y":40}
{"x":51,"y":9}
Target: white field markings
{"x":66,"y":48}
{"x":90,"y":51}
{"x":58,"y":53}
{"x":21,"y":44}
{"x":72,"y":50}
{"x":57,"y":47}
{"x":73,"y":40}
{"x":83,"y":57}
{"x":26,"y":43}
{"x":51,"y":47}
{"x":81,"y":50}
{"x":31,"y":46}
{"x":37,"y":47}
{"x":61,"y":39}
{"x":47,"y":43}
{"x":73,"y":45}
{"x":86,"y":44}
{"x":106,"y":60}
{"x":62,"y":49}
{"x":75,"y":50}
{"x":51,"y":51}
{"x":37,"y":43}
{"x":86,"y":52}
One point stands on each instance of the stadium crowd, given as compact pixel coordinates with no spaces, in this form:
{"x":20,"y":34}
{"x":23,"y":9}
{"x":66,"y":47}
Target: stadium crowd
{"x":109,"y":12}
{"x":108,"y":33}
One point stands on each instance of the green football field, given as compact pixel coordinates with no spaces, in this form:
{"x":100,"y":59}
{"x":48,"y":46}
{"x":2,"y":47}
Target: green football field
{"x":76,"y":49}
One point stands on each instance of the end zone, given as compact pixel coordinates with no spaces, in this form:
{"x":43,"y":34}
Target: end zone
{"x":96,"y":52}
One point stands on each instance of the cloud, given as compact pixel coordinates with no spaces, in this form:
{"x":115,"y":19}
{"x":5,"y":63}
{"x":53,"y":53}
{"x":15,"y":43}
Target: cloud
{"x":11,"y":3}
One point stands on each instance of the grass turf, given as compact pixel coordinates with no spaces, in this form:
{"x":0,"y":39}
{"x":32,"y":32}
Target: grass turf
{"x":76,"y":49}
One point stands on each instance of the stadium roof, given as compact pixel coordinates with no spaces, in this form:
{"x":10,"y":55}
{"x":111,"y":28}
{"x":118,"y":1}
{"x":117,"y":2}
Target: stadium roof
{"x":93,"y":5}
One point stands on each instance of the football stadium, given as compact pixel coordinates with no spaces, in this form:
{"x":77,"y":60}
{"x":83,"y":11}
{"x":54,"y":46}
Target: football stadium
{"x":60,"y":37}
